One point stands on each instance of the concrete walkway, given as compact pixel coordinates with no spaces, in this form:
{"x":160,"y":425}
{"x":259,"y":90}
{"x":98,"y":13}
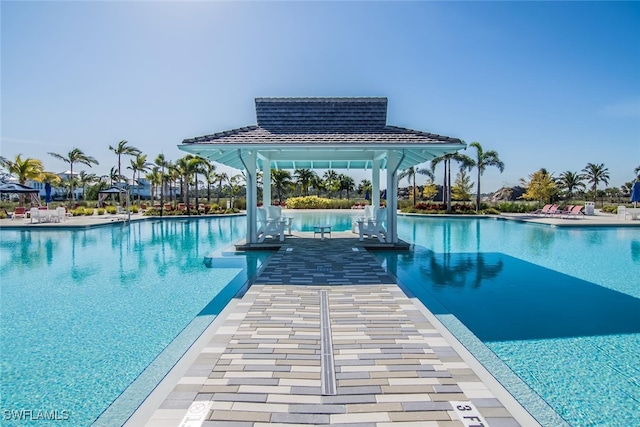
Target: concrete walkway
{"x":324,"y":336}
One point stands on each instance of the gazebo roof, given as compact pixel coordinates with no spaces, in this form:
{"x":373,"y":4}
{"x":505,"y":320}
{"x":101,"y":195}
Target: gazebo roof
{"x":322,"y":133}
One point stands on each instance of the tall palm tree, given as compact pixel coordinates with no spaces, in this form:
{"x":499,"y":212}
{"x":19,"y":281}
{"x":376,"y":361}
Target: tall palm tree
{"x":571,"y":181}
{"x":331,"y":181}
{"x":595,"y":174}
{"x":155,"y":178}
{"x":221,"y":178}
{"x":24,"y":170}
{"x":210,"y":177}
{"x":410,"y":174}
{"x":347,"y":183}
{"x":85,"y":178}
{"x":161,"y":162}
{"x":446,"y":160}
{"x":138,"y":165}
{"x":123,"y":149}
{"x":304,"y":177}
{"x":281,"y":179}
{"x":75,"y":156}
{"x":114,"y":176}
{"x":636,"y":171}
{"x":483,"y":160}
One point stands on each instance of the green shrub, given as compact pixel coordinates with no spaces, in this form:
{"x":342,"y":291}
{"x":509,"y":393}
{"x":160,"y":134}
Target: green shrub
{"x":490,"y":211}
{"x":100,"y":211}
{"x":77,"y":212}
{"x":111,"y":209}
{"x":134,"y":208}
{"x":609,"y":209}
{"x":88,"y":211}
{"x":3,"y":215}
{"x":152,"y":212}
{"x":516,"y":207}
{"x":315,"y":202}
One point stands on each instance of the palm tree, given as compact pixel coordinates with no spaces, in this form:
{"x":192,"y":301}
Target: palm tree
{"x":161,"y":162}
{"x":114,"y":176}
{"x":304,"y":177}
{"x":75,"y":156}
{"x":446,"y":160}
{"x":636,"y":171}
{"x":331,"y":181}
{"x":155,"y":178}
{"x":221,"y":178}
{"x":139,"y":165}
{"x":571,"y":181}
{"x":410,"y":174}
{"x":85,"y":178}
{"x":24,"y":170}
{"x":481,"y":162}
{"x":347,"y":183}
{"x":189,"y":166}
{"x":210,"y":176}
{"x":127,"y":150}
{"x":595,"y":174}
{"x":281,"y":179}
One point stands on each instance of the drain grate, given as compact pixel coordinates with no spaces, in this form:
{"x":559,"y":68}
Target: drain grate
{"x":327,"y":364}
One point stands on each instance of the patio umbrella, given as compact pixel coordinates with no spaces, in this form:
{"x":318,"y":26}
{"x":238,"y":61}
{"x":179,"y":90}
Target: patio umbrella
{"x":367,"y":196}
{"x":635,"y":193}
{"x":47,"y":193}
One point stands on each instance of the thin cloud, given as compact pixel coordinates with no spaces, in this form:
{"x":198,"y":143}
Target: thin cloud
{"x":20,"y":141}
{"x":624,"y":109}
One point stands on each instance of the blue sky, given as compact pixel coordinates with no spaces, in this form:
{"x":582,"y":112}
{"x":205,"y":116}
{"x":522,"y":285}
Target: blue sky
{"x":545,"y":84}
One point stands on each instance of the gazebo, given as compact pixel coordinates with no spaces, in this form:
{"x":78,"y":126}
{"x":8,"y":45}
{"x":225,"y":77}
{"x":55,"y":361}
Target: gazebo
{"x":322,"y":133}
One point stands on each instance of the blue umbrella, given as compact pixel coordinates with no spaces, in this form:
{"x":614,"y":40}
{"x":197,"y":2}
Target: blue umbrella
{"x":367,"y":196}
{"x":47,"y":193}
{"x":635,"y":193}
{"x":384,"y":194}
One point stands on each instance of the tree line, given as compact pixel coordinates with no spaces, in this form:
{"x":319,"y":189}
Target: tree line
{"x":185,"y":173}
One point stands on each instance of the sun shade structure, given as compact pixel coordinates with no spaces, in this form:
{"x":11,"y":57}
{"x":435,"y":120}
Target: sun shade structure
{"x":321,"y":133}
{"x":17,"y":188}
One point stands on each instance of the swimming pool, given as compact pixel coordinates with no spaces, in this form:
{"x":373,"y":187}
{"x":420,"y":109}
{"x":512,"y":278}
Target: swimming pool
{"x":557,"y":306}
{"x":86,"y":312}
{"x":89,"y":314}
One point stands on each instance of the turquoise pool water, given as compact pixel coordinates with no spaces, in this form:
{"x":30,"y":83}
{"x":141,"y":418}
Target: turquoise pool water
{"x":96,"y":316}
{"x":559,"y":307}
{"x":85,"y":312}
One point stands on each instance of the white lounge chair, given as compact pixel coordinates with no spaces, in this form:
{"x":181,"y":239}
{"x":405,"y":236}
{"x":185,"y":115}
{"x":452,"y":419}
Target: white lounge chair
{"x":34,"y":215}
{"x":374,"y":227}
{"x":269,"y":227}
{"x":275,"y":213}
{"x":368,"y":214}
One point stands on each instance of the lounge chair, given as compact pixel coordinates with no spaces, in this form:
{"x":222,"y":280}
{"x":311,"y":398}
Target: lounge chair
{"x":275,"y":213}
{"x":563,"y":212}
{"x":368,"y":214}
{"x":553,"y":210}
{"x":269,"y":227}
{"x":34,"y":215}
{"x":542,"y":211}
{"x":576,"y":212}
{"x":373,"y":227}
{"x":19,"y":212}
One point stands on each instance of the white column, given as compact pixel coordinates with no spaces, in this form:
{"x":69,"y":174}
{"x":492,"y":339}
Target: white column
{"x":266,"y":182}
{"x":375,"y":185}
{"x":249,"y":158}
{"x":392,"y":196}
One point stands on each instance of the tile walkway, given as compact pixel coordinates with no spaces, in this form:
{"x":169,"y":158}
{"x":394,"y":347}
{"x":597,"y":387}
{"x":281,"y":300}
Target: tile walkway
{"x":263,"y":366}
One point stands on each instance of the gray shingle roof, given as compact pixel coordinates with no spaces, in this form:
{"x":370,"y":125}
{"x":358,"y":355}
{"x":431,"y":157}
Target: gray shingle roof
{"x":321,"y":121}
{"x":309,"y":115}
{"x":383,"y":136}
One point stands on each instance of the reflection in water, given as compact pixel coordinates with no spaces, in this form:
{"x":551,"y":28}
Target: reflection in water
{"x":635,"y":251}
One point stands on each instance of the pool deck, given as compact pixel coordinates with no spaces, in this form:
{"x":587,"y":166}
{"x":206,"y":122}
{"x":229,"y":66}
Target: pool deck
{"x":264,"y":360}
{"x":598,"y":220}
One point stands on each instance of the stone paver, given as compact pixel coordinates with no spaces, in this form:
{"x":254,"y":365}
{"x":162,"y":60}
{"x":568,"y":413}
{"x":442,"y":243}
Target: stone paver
{"x":264,"y":368}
